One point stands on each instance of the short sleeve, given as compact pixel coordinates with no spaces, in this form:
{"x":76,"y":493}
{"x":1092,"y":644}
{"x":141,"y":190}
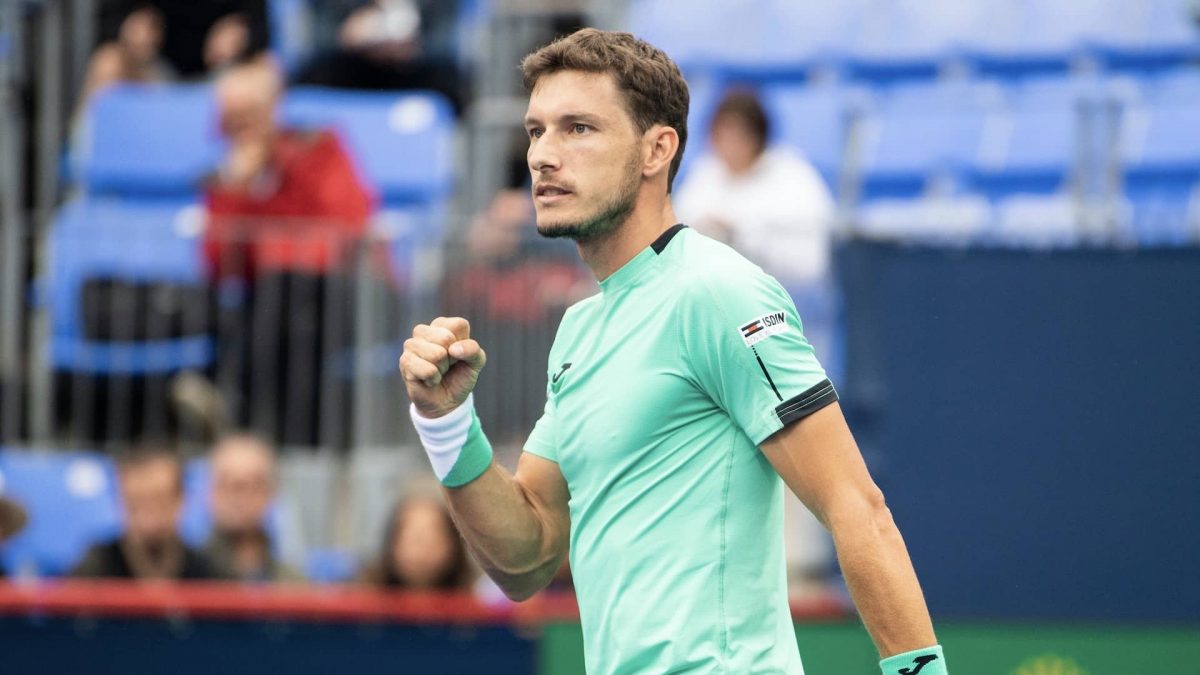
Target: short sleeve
{"x":543,"y":440}
{"x":746,"y":349}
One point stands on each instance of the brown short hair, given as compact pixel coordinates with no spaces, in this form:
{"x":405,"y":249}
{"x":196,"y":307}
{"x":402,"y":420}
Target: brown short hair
{"x":145,"y":454}
{"x":743,"y":105}
{"x":655,"y":91}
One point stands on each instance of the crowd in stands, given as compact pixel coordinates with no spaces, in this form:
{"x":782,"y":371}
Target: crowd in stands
{"x":287,"y":209}
{"x":419,"y":549}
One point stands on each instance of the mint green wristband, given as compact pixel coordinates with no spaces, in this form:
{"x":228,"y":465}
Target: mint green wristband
{"x":475,"y":458}
{"x":927,"y":661}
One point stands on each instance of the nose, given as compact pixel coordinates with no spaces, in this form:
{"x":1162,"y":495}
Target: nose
{"x":544,"y":155}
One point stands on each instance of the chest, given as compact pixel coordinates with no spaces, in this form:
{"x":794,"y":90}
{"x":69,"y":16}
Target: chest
{"x":623,"y":391}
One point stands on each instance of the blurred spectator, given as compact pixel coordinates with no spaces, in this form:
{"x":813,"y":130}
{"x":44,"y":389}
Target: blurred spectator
{"x":271,"y":177}
{"x":243,"y":488}
{"x":134,"y":55}
{"x":201,"y":37}
{"x":514,"y":287}
{"x":286,"y":212}
{"x":12,"y":521}
{"x":421,"y":548}
{"x":151,"y":489}
{"x":767,"y":202}
{"x":388,"y":44}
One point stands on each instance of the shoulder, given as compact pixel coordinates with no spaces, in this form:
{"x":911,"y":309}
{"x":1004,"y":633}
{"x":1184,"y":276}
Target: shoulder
{"x":707,"y":267}
{"x":716,"y":286}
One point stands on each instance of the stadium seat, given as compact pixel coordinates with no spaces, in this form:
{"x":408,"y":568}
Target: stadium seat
{"x":918,"y":132}
{"x":1149,"y":35}
{"x":403,"y":142}
{"x":815,"y":121}
{"x":330,"y":566}
{"x":148,"y":141}
{"x":945,"y":220}
{"x":72,"y":503}
{"x":1046,"y":130}
{"x":291,"y":31}
{"x":138,"y":242}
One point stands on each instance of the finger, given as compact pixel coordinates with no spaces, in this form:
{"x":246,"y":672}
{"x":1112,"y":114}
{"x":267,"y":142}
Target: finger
{"x":435,"y":334}
{"x":416,"y":369}
{"x":428,"y":351}
{"x":455,"y":324}
{"x":470,"y":352}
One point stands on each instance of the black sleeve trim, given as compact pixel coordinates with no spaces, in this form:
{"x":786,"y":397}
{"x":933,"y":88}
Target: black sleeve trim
{"x":810,"y":401}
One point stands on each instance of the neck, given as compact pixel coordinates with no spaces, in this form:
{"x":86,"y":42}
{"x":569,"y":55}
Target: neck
{"x":650,"y":217}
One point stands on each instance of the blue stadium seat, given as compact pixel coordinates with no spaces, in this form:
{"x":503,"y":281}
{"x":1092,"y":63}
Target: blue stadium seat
{"x":1149,"y":35}
{"x":944,"y":220}
{"x":128,"y":241}
{"x":1038,"y":142}
{"x":1161,"y":212}
{"x":330,"y":566}
{"x":923,"y":131}
{"x":148,"y":141}
{"x":72,"y":503}
{"x":814,"y":121}
{"x":291,"y":31}
{"x":403,"y":142}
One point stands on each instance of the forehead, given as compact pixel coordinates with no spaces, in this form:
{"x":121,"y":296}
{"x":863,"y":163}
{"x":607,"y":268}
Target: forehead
{"x":575,"y":91}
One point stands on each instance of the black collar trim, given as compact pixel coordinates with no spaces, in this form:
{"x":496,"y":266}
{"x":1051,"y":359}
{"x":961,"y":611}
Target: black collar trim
{"x":665,"y":238}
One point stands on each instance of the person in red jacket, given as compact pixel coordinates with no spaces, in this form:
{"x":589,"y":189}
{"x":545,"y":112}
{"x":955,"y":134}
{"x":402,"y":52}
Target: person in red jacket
{"x":287,"y":213}
{"x":283,"y":199}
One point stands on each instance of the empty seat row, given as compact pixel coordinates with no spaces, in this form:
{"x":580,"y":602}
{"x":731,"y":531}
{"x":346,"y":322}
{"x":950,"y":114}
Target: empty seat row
{"x":882,"y":39}
{"x":161,"y":141}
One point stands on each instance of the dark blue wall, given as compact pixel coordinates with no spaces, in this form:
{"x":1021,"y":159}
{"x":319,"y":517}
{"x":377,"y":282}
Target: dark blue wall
{"x":187,"y":647}
{"x":1034,"y":419}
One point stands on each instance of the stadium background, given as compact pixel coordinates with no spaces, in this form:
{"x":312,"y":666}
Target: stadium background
{"x":1015,"y":323}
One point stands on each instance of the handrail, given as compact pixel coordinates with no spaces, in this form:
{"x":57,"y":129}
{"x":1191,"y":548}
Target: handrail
{"x":220,"y":600}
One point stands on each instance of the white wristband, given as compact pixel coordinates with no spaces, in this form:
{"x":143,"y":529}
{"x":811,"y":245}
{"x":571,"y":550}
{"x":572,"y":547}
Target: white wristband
{"x":445,"y":436}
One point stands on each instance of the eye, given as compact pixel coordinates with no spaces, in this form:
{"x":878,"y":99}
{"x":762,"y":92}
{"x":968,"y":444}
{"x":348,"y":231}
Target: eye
{"x":535,"y":132}
{"x":580,"y":128}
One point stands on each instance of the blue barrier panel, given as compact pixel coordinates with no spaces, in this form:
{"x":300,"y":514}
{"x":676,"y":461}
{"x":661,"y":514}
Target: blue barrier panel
{"x":1033,"y":419}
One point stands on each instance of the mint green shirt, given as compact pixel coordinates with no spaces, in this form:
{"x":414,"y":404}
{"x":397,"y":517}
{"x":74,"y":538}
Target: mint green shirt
{"x":660,"y":389}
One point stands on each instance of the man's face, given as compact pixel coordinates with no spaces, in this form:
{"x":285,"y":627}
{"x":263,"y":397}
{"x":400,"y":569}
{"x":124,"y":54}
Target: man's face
{"x":243,"y":486}
{"x":246,"y":114}
{"x":152,"y":497}
{"x":584,"y":154}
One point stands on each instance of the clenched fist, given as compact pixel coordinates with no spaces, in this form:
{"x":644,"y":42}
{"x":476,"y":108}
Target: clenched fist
{"x":441,"y":364}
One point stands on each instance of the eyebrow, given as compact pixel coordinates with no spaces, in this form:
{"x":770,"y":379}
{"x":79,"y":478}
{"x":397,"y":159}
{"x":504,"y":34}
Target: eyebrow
{"x":568,"y":118}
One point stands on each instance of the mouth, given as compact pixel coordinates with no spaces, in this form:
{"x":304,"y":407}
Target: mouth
{"x":548,"y":193}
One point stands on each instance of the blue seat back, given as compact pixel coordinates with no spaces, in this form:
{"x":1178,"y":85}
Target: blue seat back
{"x":131,"y":241}
{"x":403,"y":142}
{"x":144,"y":140}
{"x":72,"y":503}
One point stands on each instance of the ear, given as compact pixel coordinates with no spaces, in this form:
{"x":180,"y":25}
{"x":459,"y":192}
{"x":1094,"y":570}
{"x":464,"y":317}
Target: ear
{"x":660,"y":144}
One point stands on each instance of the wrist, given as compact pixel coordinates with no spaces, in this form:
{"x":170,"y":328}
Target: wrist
{"x":458,"y":450}
{"x":925,"y":661}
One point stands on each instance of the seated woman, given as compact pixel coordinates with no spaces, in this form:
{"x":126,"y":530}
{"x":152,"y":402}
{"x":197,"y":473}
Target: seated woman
{"x":421,"y":549}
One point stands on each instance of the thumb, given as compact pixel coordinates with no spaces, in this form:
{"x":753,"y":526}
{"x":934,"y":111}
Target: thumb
{"x":469,"y":352}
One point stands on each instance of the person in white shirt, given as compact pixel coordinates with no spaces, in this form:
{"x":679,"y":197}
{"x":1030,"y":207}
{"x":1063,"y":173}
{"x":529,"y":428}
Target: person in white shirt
{"x":772,"y":205}
{"x":768,"y":202}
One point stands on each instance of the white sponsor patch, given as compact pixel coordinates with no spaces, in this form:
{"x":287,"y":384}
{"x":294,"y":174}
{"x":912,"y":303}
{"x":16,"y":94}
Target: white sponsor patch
{"x":758,"y":329}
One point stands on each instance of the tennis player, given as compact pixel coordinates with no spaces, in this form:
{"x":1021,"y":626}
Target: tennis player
{"x":677,"y":398}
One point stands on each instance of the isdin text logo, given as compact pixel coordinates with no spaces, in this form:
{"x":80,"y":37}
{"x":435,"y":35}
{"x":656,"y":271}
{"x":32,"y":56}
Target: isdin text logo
{"x":1049,"y":665}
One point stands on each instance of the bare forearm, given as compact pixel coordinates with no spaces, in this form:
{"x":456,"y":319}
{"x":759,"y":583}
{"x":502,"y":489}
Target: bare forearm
{"x":882,"y":581}
{"x":507,"y":531}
